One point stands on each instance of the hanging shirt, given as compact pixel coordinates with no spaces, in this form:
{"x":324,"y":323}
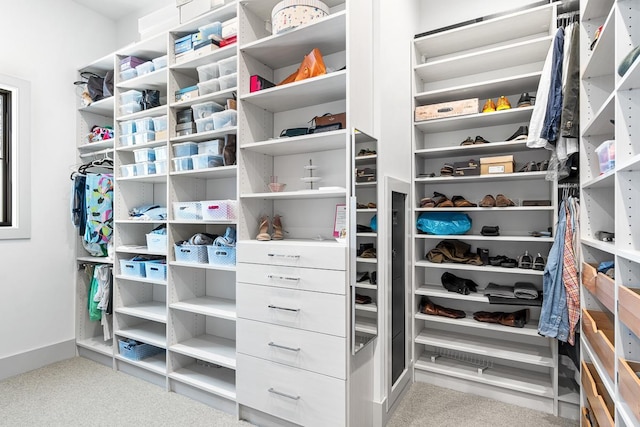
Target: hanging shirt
{"x":99,"y":208}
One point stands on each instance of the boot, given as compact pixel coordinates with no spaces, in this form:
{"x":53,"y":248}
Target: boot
{"x":427,"y":307}
{"x":229,"y":150}
{"x":516,"y":319}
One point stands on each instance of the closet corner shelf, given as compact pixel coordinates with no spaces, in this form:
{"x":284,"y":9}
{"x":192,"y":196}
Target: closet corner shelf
{"x":212,"y":349}
{"x":600,"y":124}
{"x":154,"y":80}
{"x":439,"y":291}
{"x":631,"y":255}
{"x":471,"y":121}
{"x":150,"y":47}
{"x":325,"y":141}
{"x":631,"y":79}
{"x":217,"y":172}
{"x":367,"y":260}
{"x":206,"y":136}
{"x":150,"y":332}
{"x":328,"y":34}
{"x":97,"y":344}
{"x":631,"y":165}
{"x":596,"y":9}
{"x":154,"y":311}
{"x":103,"y":107}
{"x":366,"y":325}
{"x":484,"y":268}
{"x":602,"y":56}
{"x":208,"y":306}
{"x":597,"y":244}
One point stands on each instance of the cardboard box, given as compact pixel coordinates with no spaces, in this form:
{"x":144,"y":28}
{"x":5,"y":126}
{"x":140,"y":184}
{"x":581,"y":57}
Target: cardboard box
{"x":468,"y":168}
{"x":496,"y":165}
{"x":446,"y":109}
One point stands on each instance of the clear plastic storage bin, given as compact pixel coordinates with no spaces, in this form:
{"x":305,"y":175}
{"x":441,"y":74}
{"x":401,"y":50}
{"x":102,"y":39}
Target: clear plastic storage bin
{"x":607,"y":155}
{"x":144,"y":155}
{"x":130,"y":96}
{"x":127,"y":127}
{"x":228,"y":66}
{"x":161,"y":167}
{"x":128,"y":74}
{"x":228,"y":81}
{"x":216,"y":210}
{"x":145,"y":68}
{"x":185,"y":149}
{"x":130,"y":108}
{"x":215,"y":146}
{"x":205,"y":109}
{"x":182,"y":164}
{"x":145,"y":168}
{"x":157,"y":242}
{"x":160,"y":153}
{"x":160,"y":123}
{"x":225,"y":118}
{"x":146,"y":123}
{"x":144,"y":137}
{"x":204,"y":124}
{"x":209,"y":86}
{"x":211,"y":29}
{"x":187,"y":210}
{"x":156,"y":270}
{"x":207,"y":72}
{"x":159,"y":63}
{"x":205,"y":161}
{"x":127,"y":171}
{"x":191,"y":253}
{"x":127,"y":140}
{"x":221,"y":255}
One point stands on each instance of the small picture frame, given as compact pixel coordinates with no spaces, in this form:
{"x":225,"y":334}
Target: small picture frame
{"x":340,"y":222}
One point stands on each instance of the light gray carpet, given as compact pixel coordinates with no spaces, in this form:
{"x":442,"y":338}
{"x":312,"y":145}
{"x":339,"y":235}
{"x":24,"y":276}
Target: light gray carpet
{"x":80,"y":392}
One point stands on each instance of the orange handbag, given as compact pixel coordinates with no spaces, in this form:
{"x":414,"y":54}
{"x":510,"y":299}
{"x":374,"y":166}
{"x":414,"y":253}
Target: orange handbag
{"x":312,"y":65}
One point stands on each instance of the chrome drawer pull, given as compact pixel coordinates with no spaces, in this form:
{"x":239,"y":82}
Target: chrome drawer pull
{"x":275,"y":307}
{"x":284,"y":256}
{"x":279,"y":393}
{"x":284,"y":347}
{"x":293,"y":279}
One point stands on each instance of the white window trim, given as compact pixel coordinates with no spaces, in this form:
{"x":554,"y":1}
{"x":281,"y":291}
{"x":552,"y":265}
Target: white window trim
{"x":21,"y":158}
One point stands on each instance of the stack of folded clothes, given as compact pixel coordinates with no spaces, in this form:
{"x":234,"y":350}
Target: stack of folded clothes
{"x":522,"y":293}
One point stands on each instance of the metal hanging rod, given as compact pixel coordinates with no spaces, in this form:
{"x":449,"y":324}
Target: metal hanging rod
{"x":96,"y":153}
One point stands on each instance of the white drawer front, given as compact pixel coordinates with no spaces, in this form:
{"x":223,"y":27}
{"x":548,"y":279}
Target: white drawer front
{"x":308,"y":279}
{"x":326,"y":255}
{"x":296,"y":395}
{"x":311,"y":311}
{"x":321,"y":353}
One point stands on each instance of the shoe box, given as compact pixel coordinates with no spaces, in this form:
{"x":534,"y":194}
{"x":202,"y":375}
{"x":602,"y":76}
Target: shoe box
{"x":447,"y":109}
{"x":496,"y":165}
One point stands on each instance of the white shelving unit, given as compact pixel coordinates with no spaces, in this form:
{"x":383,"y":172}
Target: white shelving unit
{"x":475,"y":61}
{"x":609,"y":109}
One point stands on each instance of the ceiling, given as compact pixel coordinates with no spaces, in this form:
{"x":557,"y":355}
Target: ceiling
{"x":118,"y":9}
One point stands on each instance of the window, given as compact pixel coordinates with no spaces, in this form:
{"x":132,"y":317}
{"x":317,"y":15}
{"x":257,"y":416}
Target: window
{"x":14,"y":158}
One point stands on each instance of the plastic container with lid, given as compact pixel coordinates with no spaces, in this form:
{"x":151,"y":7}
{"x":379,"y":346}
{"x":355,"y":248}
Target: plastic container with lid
{"x":130,"y":96}
{"x":607,"y":155}
{"x":144,"y":137}
{"x":144,"y":155}
{"x":182,"y":164}
{"x":223,"y":119}
{"x":145,"y":68}
{"x":127,"y":140}
{"x":204,"y":125}
{"x":159,"y":63}
{"x":160,"y":123}
{"x":145,"y":168}
{"x":144,"y":124}
{"x":128,"y":74}
{"x":228,"y":81}
{"x":205,"y":109}
{"x":211,"y":147}
{"x":212,"y":29}
{"x":205,"y":161}
{"x":127,"y":171}
{"x":185,"y":149}
{"x":160,"y":153}
{"x":209,"y":86}
{"x":130,"y":108}
{"x":228,"y":65}
{"x":127,"y":127}
{"x":207,"y":72}
{"x":161,"y":167}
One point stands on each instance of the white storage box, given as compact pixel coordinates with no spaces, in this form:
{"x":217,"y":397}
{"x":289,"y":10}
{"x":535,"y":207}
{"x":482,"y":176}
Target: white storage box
{"x":209,"y":86}
{"x":223,"y":119}
{"x":216,"y":210}
{"x":207,"y":72}
{"x":228,"y":66}
{"x":182,"y":163}
{"x":160,"y":123}
{"x":160,"y":153}
{"x":157,"y":242}
{"x":144,"y":155}
{"x":215,"y":146}
{"x":144,"y":124}
{"x":144,"y":137}
{"x":228,"y":81}
{"x":132,"y":268}
{"x":161,"y":167}
{"x":130,"y":96}
{"x":205,"y":109}
{"x":185,"y":149}
{"x":127,"y":127}
{"x":204,"y":125}
{"x":127,"y":171}
{"x":191,"y":253}
{"x":205,"y":161}
{"x":145,"y":68}
{"x":145,"y":168}
{"x":187,"y":210}
{"x":156,"y":270}
{"x":130,"y":108}
{"x":289,"y":14}
{"x":221,"y":255}
{"x":127,"y":140}
{"x":193,"y":8}
{"x":160,"y":62}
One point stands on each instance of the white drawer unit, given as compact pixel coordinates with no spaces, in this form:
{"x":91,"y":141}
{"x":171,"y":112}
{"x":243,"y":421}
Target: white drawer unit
{"x":323,"y":255}
{"x":311,"y":311}
{"x":321,"y":353}
{"x":293,"y":394}
{"x":308,"y":279}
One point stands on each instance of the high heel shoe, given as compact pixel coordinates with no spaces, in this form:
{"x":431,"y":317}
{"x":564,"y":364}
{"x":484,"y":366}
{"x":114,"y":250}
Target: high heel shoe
{"x":277,"y":229}
{"x":263,"y":232}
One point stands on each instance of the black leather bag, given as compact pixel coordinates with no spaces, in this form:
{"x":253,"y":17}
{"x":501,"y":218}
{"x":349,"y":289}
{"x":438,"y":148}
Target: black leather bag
{"x":94,"y":85}
{"x":490,"y":230}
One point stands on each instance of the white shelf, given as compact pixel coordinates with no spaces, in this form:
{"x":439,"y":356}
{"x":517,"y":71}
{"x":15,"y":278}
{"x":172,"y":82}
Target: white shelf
{"x":208,"y":306}
{"x":97,"y":344}
{"x":151,"y":112}
{"x":472,"y":150}
{"x":206,"y":136}
{"x":317,"y":90}
{"x":327,"y":34}
{"x":372,"y":307}
{"x":629,"y":165}
{"x":516,"y":176}
{"x":220,"y":97}
{"x":155,"y":311}
{"x":631,"y":79}
{"x":365,"y":285}
{"x":367,"y":260}
{"x":137,"y":249}
{"x":367,"y":234}
{"x":216,"y":173}
{"x":629,"y":255}
{"x":484,"y":268}
{"x":221,"y":351}
{"x":366,"y":325}
{"x":479,"y":209}
{"x":95,"y":259}
{"x":156,"y":363}
{"x":325,"y":141}
{"x":214,"y":56}
{"x":156,"y":79}
{"x":295,"y":195}
{"x":599,"y":244}
{"x":489,"y":347}
{"x":530,"y":329}
{"x":602,"y":57}
{"x":151,"y":179}
{"x":472,"y":121}
{"x":102,"y":107}
{"x":150,"y":144}
{"x":203,"y":266}
{"x":600,"y":123}
{"x":499,"y":376}
{"x":512,"y":55}
{"x":153,"y":333}
{"x":596,"y":9}
{"x":485,"y":238}
{"x":141,"y":279}
{"x":150,"y":48}
{"x":203,"y":222}
{"x":606,"y":180}
{"x":218,"y":381}
{"x":96,"y":146}
{"x":439,"y":291}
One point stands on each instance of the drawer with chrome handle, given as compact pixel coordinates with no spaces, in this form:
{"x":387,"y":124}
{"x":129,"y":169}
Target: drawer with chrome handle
{"x":309,"y":279}
{"x":327,"y":255}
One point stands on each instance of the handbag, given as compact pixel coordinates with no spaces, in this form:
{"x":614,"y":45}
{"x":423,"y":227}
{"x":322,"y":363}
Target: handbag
{"x":312,"y":65}
{"x":94,"y":85}
{"x":329,"y":119}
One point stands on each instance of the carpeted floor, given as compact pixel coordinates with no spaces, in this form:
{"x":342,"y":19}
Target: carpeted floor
{"x":80,"y":392}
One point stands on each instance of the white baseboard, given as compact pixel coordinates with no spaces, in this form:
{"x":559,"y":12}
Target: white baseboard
{"x":34,"y":359}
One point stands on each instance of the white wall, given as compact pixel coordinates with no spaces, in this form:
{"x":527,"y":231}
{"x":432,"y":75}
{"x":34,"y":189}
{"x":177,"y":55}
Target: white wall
{"x":127,"y":27}
{"x":45,"y":42}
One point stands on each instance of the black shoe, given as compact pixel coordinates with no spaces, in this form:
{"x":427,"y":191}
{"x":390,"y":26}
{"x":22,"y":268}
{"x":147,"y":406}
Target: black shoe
{"x":526,"y":100}
{"x":520,"y":135}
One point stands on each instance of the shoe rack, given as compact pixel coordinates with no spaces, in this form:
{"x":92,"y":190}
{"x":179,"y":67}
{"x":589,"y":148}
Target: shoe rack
{"x":512,"y":364}
{"x":609,"y":106}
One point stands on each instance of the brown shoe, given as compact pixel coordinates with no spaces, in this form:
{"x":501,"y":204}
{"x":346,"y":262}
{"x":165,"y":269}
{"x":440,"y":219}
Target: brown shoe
{"x":441,"y":200}
{"x":461,"y":202}
{"x":427,"y":307}
{"x":488,"y":201}
{"x":503,"y":201}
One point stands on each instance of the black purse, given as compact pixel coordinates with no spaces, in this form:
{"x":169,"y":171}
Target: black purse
{"x":94,"y":85}
{"x":490,"y":230}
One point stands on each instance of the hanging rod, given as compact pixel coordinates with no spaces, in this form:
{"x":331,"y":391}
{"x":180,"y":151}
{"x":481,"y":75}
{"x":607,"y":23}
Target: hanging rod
{"x":568,"y":185}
